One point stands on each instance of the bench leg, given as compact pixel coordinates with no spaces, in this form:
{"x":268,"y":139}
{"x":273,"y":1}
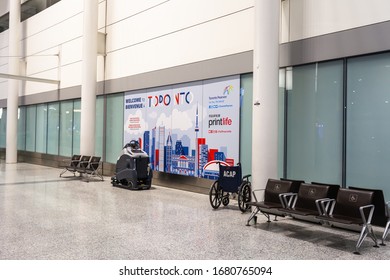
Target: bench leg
{"x":385,"y":233}
{"x":64,"y":171}
{"x":366,"y":230}
{"x":253,"y":216}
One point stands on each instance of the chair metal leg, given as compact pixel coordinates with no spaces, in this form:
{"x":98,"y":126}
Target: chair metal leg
{"x":386,"y":232}
{"x":253,"y":216}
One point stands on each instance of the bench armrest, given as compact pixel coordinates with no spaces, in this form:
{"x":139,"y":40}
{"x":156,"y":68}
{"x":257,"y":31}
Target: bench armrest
{"x":325,"y":206}
{"x":254,"y":194}
{"x":367,"y":218}
{"x":288,"y":200}
{"x":387,"y":209}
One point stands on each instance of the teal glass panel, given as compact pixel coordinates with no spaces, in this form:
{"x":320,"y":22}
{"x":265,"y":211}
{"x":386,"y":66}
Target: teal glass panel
{"x":41,"y":129}
{"x":22,"y":128}
{"x":368,"y":126}
{"x":31,"y":127}
{"x":99,"y":125}
{"x":3,"y":127}
{"x":53,"y":125}
{"x":114,"y":127}
{"x":76,"y":126}
{"x":246,"y":123}
{"x":315,"y":123}
{"x":66,"y":128}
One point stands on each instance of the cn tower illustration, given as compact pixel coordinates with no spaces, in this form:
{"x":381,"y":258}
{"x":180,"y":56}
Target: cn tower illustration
{"x":196,"y":142}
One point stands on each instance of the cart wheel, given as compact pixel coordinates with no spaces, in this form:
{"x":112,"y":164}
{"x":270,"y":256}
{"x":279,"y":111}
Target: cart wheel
{"x":215,"y":195}
{"x":225,"y":200}
{"x":244,"y":196}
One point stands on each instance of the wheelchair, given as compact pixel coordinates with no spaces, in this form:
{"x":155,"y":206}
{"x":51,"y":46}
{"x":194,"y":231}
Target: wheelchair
{"x":230,"y":181}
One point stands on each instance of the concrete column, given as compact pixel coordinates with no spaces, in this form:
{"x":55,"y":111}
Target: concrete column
{"x":88,"y":86}
{"x":13,"y":84}
{"x":265,"y":92}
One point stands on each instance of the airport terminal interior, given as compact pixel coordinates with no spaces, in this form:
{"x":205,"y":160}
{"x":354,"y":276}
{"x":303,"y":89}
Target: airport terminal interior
{"x":149,"y":103}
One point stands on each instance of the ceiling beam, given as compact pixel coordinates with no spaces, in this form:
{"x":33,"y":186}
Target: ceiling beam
{"x":30,"y":79}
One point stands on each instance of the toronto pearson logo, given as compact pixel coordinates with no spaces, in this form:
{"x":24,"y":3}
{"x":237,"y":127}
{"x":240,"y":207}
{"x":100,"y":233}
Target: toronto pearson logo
{"x":228,"y":90}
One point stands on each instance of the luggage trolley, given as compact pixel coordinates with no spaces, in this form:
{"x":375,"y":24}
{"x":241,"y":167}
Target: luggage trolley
{"x":230,"y":181}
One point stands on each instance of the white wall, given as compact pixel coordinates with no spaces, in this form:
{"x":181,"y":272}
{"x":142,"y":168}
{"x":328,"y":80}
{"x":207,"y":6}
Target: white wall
{"x":308,"y":18}
{"x":150,"y":35}
{"x":142,"y":36}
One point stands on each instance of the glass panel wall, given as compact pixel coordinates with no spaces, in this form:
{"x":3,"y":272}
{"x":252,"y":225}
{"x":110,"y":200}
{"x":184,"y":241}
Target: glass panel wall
{"x":114,"y":127}
{"x":246,"y":123}
{"x":66,"y":128}
{"x":281,"y":122}
{"x":22,"y":128}
{"x":41,"y":129}
{"x":3,"y":127}
{"x":76,"y":126}
{"x":31,"y":127}
{"x":368,"y":126}
{"x":315,"y":118}
{"x":99,"y":126}
{"x":53,"y":127}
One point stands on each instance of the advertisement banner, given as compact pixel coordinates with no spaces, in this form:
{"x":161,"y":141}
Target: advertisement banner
{"x":186,"y":128}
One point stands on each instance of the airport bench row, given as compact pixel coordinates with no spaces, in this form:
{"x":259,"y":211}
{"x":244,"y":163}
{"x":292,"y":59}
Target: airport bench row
{"x":86,"y":166}
{"x":351,"y":208}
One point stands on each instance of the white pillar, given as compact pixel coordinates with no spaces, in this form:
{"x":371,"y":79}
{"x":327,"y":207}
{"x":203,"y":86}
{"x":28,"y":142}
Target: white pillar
{"x":88,"y":86}
{"x":265,"y":92}
{"x":13,"y":84}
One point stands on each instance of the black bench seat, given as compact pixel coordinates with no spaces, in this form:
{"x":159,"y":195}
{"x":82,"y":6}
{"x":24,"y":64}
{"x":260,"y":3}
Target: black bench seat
{"x":272,"y":202}
{"x":351,"y":207}
{"x":303,"y":203}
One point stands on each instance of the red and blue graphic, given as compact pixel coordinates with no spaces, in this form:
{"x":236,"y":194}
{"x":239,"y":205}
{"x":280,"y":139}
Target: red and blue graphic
{"x":186,"y":129}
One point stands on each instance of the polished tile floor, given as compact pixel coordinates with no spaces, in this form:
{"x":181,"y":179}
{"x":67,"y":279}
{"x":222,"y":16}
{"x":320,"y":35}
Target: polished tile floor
{"x":46,"y":217}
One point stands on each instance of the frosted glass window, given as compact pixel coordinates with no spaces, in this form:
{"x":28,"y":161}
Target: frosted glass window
{"x":41,"y":129}
{"x":281,"y":124}
{"x":314,"y":123}
{"x":368,"y":126}
{"x":31,"y":128}
{"x":99,"y":124}
{"x":53,"y":125}
{"x":3,"y":127}
{"x":21,"y":128}
{"x":114,"y":127}
{"x":76,"y":126}
{"x":66,"y":128}
{"x":246,"y":123}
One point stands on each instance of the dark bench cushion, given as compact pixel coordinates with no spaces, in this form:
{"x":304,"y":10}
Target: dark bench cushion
{"x":306,"y":199}
{"x":273,"y":189}
{"x":348,"y":202}
{"x":379,"y":218}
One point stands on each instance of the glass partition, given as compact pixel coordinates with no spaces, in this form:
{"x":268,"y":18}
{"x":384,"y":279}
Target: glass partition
{"x":31,"y":127}
{"x":114,"y":127}
{"x":53,"y":128}
{"x":3,"y":127}
{"x":22,"y":128}
{"x":41,"y":129}
{"x":76,"y":127}
{"x":315,"y":123}
{"x":368,"y":129}
{"x":66,"y":128}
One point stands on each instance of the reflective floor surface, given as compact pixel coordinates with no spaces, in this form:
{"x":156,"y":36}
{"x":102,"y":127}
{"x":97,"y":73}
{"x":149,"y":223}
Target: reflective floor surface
{"x":43,"y":216}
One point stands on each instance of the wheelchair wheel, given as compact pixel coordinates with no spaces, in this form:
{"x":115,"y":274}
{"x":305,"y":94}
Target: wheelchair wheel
{"x":244,"y":196}
{"x":215,"y":195}
{"x":225,"y":200}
